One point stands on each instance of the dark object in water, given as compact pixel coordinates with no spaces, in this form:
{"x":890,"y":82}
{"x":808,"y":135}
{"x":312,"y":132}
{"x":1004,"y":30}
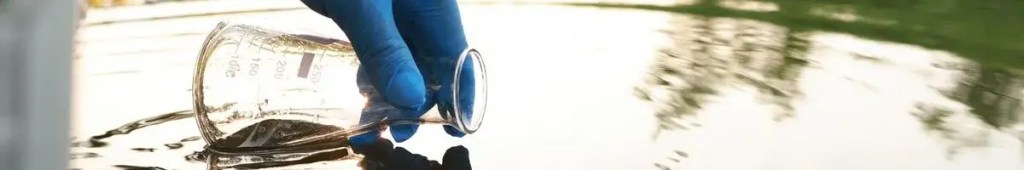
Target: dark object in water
{"x":95,"y":141}
{"x":132,"y":167}
{"x":256,"y":160}
{"x":173,"y":145}
{"x":280,"y":135}
{"x":682,"y":154}
{"x":84,"y":155}
{"x":143,"y":149}
{"x":128,"y":128}
{"x":91,"y":143}
{"x":194,"y":138}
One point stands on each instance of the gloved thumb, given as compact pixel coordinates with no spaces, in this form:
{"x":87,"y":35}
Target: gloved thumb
{"x":370,"y":26}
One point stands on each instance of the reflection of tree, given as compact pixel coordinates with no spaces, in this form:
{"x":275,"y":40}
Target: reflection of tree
{"x":978,"y":29}
{"x":685,"y":72}
{"x":780,"y":78}
{"x":709,"y":54}
{"x":993,"y":97}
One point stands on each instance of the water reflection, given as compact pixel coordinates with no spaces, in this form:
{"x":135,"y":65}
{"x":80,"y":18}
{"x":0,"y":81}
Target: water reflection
{"x":985,"y":98}
{"x":710,"y":53}
{"x":380,"y":155}
{"x":220,"y":160}
{"x":383,"y":155}
{"x":994,"y":95}
{"x":975,"y":103}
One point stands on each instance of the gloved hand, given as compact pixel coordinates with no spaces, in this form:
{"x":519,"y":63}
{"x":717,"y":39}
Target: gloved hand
{"x":404,"y":47}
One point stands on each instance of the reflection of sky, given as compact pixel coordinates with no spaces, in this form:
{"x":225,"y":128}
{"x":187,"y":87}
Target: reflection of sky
{"x":564,"y":84}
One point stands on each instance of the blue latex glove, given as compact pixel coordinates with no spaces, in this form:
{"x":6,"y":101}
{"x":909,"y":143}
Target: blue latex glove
{"x":401,"y":45}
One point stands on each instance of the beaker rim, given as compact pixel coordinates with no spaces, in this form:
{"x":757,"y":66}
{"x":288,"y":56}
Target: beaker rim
{"x":470,"y":122}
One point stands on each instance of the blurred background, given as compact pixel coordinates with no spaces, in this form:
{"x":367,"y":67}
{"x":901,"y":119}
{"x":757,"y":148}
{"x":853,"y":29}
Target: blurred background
{"x":623,"y":84}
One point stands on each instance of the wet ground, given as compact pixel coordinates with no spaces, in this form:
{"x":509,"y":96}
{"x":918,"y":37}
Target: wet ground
{"x":605,"y":86}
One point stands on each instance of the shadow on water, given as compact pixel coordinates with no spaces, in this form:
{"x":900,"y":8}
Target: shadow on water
{"x":379,"y":156}
{"x":383,"y":155}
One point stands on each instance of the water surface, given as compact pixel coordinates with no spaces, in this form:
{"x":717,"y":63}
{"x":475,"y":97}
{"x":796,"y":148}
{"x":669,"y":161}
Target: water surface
{"x":604,"y":86}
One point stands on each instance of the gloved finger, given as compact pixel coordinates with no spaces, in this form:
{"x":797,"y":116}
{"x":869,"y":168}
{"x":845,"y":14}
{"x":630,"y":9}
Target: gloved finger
{"x":377,"y":153}
{"x":466,"y":97}
{"x":430,"y":31}
{"x":467,"y":93}
{"x":375,"y":110}
{"x":433,"y":30}
{"x":364,"y":140}
{"x":370,"y":26}
{"x":402,"y":132}
{"x":453,"y":131}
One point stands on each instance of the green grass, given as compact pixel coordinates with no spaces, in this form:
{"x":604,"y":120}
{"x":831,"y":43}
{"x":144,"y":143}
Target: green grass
{"x":990,"y":32}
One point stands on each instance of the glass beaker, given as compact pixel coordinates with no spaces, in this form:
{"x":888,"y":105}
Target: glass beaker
{"x":264,"y":90}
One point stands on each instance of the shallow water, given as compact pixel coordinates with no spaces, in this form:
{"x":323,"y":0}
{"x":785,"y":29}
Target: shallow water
{"x":580,"y":87}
